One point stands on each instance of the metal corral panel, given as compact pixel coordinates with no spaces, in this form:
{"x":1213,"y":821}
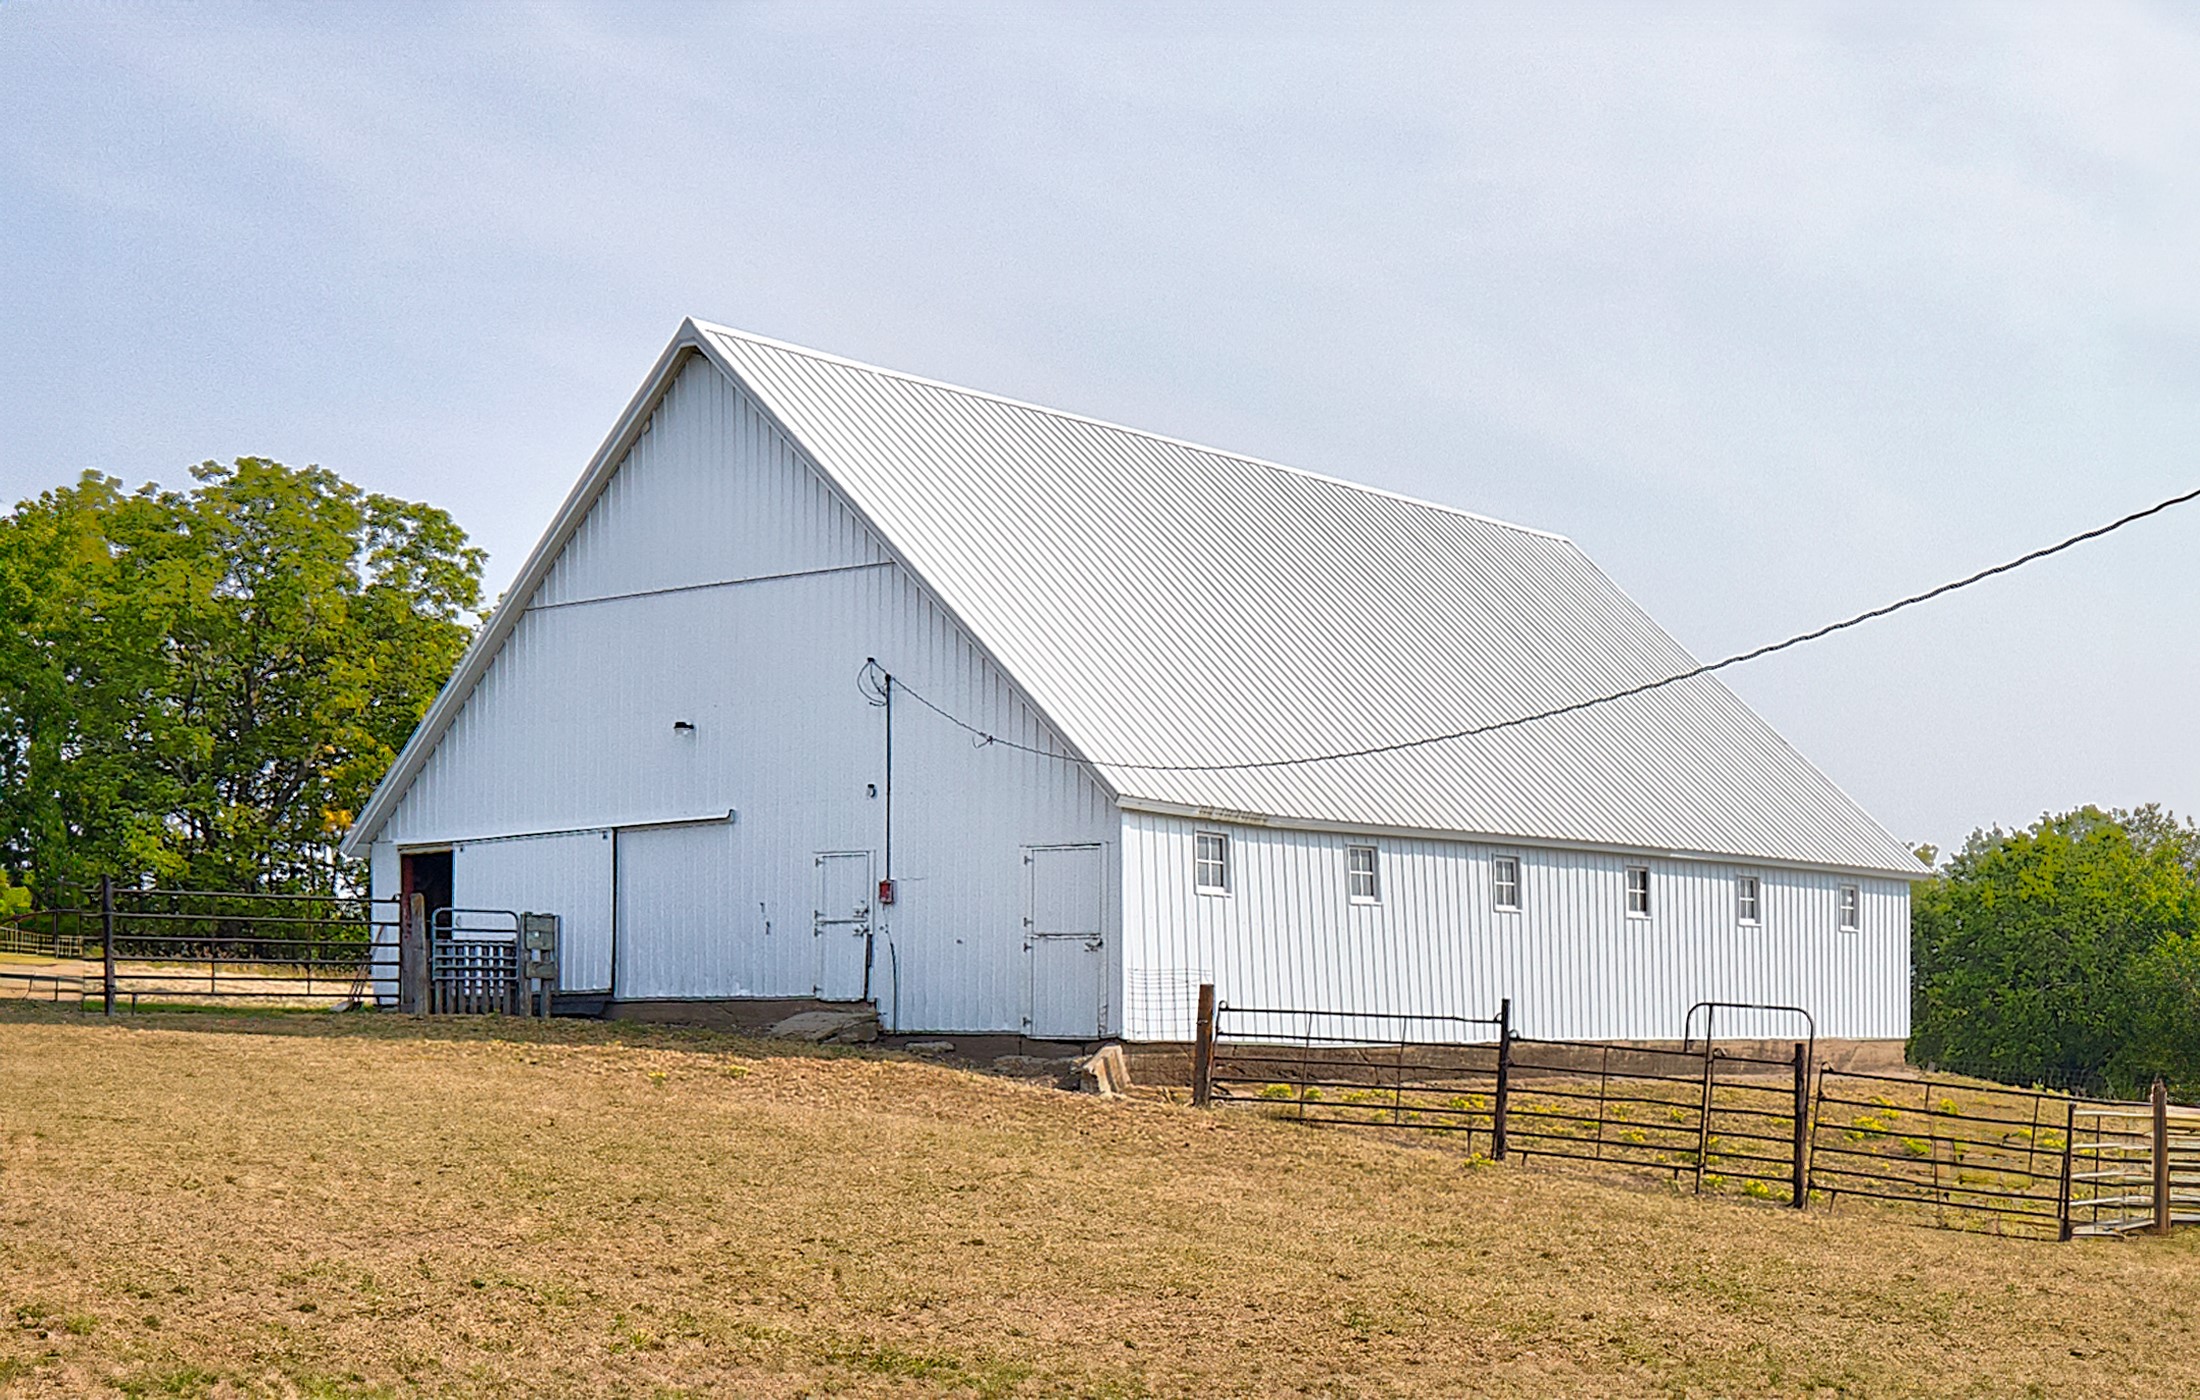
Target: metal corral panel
{"x":1287,"y":934}
{"x":758,"y":647}
{"x":566,"y":873}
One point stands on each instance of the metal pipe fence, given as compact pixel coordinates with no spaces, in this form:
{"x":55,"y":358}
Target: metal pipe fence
{"x":138,"y":948}
{"x":1951,"y":1152}
{"x":1437,"y":1073}
{"x":1973,"y":1156}
{"x":1713,"y":1119}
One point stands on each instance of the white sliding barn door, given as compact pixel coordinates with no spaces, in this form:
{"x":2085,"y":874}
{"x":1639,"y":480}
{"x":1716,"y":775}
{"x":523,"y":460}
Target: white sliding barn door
{"x":567,"y":874}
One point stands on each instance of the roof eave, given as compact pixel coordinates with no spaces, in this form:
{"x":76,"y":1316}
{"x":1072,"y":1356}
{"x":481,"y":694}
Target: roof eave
{"x":1223,"y":816}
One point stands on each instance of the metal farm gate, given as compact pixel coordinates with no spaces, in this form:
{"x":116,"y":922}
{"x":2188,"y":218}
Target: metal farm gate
{"x":475,"y":962}
{"x":1958,"y":1153}
{"x":1713,"y":1118}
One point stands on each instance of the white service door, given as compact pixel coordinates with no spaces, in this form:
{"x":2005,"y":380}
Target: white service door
{"x":842,"y":923}
{"x":1065,"y":941}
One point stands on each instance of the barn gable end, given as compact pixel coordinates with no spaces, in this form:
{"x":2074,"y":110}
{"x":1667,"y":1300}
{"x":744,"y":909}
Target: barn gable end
{"x":673,"y":735}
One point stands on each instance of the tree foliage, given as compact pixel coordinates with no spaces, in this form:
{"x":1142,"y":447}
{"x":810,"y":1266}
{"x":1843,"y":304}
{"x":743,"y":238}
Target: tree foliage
{"x":203,"y":686}
{"x":2068,"y":952}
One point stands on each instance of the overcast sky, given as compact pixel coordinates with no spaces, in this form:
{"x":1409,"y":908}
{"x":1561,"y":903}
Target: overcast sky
{"x":1778,"y":312}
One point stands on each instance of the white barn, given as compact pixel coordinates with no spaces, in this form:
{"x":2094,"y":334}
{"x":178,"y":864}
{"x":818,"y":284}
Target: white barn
{"x":668,"y":734}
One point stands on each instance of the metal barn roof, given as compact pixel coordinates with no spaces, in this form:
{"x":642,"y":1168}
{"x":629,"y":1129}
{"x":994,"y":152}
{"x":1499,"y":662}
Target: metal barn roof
{"x":1166,"y":603}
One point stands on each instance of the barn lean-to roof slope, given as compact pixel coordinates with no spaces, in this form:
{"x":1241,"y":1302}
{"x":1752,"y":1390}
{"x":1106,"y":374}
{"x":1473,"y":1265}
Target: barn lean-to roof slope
{"x":1162,"y":602}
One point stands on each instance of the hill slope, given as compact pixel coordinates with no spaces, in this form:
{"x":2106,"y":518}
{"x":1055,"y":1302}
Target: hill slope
{"x":365,"y":1205}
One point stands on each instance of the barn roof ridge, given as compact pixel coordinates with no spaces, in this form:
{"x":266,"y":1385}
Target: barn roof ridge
{"x":1091,"y":420}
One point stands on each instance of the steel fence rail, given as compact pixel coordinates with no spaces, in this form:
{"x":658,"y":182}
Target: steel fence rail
{"x":1961,"y":1153}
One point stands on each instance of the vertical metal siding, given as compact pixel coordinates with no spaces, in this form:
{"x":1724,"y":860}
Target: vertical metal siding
{"x":719,"y":580}
{"x":679,"y":512}
{"x":1575,"y":965}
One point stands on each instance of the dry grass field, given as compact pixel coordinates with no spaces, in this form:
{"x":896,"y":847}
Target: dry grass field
{"x":193,"y":1205}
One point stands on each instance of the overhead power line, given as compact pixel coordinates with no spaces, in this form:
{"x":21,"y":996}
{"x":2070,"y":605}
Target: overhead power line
{"x":986,"y":738}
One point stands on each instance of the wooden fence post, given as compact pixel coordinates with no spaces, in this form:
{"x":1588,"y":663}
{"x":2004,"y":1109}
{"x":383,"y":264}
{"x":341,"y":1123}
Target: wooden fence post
{"x":1801,"y":1188}
{"x":2161,"y":1156}
{"x":107,"y":940}
{"x":1203,"y":1049}
{"x":1498,"y":1132}
{"x":414,"y":969}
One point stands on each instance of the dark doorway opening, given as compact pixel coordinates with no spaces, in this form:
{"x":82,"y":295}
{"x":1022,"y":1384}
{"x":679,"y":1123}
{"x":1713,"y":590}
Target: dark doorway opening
{"x":425,"y":876}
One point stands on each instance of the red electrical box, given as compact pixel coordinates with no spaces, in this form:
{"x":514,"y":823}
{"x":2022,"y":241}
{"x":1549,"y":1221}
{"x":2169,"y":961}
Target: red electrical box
{"x":886,"y":891}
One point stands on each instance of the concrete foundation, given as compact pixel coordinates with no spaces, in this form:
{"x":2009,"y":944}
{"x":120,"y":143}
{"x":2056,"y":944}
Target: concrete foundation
{"x":1171,"y":1063}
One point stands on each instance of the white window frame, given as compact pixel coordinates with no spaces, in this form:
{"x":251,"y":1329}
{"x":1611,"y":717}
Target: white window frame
{"x":1498,"y":883}
{"x":1201,"y":863}
{"x":1749,"y":901}
{"x":1374,"y":873}
{"x":1849,"y":909}
{"x":1647,"y":905}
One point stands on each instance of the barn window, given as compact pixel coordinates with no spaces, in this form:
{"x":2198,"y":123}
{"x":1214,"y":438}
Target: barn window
{"x":1748,"y":898}
{"x":1638,"y":891}
{"x":1360,"y":877}
{"x":1211,"y":863}
{"x":1852,"y":909}
{"x":1505,"y":881}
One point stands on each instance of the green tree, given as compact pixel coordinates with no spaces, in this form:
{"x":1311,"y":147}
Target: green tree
{"x":203,"y":686}
{"x":2063,"y":951}
{"x":14,"y":898}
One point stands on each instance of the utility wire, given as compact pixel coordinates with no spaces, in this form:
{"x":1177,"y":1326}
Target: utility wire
{"x":986,"y":738}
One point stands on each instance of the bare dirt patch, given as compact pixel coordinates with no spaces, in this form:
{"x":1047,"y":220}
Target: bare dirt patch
{"x":193,"y":1205}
